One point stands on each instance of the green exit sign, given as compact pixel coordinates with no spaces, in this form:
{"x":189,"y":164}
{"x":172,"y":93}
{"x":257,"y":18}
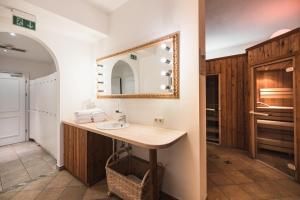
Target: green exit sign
{"x":25,"y":23}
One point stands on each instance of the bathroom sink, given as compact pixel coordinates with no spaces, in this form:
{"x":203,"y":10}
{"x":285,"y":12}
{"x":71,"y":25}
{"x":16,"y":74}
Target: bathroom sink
{"x":111,"y":125}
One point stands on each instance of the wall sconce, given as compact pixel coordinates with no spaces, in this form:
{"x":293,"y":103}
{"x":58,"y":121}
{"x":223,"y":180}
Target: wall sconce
{"x":166,"y":73}
{"x":165,"y":60}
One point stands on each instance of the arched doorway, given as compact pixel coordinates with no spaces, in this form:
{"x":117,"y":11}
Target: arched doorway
{"x":29,"y":111}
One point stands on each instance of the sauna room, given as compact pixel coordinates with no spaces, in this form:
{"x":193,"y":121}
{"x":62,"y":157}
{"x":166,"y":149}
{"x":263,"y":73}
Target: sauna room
{"x":252,"y":96}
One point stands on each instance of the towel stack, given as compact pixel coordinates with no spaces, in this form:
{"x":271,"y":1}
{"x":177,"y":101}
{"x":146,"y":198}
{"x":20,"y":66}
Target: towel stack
{"x":90,"y":115}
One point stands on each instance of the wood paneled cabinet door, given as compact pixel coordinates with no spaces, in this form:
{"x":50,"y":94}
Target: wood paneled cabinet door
{"x":85,"y":154}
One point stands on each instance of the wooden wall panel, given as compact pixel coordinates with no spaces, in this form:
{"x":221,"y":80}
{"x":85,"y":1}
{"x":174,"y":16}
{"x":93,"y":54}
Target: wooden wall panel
{"x":233,"y":75}
{"x":282,"y":46}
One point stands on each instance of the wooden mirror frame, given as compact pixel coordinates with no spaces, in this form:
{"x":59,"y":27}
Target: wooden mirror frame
{"x":175,"y":79}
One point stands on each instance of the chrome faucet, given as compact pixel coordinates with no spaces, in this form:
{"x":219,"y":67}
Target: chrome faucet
{"x":123,"y":119}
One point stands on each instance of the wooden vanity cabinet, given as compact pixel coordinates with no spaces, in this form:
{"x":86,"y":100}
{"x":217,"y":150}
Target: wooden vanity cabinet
{"x":85,"y":154}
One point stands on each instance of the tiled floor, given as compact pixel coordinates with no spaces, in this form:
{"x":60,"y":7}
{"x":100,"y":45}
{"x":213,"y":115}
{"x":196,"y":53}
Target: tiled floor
{"x":24,"y":162}
{"x":61,"y":186}
{"x":233,"y":175}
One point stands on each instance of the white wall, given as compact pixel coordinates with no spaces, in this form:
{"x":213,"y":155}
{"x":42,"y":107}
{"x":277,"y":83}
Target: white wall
{"x":43,"y":112}
{"x":90,"y":15}
{"x":35,"y":69}
{"x":234,"y":50}
{"x":138,"y":22}
{"x":70,"y":44}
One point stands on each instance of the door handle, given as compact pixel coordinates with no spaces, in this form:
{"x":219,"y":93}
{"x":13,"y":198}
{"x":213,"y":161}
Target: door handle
{"x":259,"y":113}
{"x":210,"y":109}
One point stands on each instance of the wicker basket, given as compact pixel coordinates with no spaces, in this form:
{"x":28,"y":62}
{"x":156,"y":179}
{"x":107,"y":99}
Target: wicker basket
{"x":120,"y":173}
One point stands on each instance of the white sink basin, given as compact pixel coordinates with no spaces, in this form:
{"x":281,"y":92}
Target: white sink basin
{"x":111,"y":125}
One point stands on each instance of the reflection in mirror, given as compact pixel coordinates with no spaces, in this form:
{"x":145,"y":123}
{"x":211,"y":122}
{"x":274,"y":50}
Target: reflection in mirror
{"x":122,"y":79}
{"x":147,"y":71}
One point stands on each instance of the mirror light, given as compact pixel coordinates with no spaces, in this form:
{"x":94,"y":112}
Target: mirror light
{"x":164,"y":46}
{"x":165,"y":60}
{"x":166,"y":73}
{"x":165,"y":87}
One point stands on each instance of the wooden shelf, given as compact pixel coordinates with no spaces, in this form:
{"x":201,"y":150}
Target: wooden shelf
{"x":276,"y":93}
{"x":212,"y":130}
{"x":274,"y":142}
{"x":212,"y":118}
{"x":289,"y":126}
{"x":212,"y":139}
{"x":275,"y":109}
{"x":276,"y":145}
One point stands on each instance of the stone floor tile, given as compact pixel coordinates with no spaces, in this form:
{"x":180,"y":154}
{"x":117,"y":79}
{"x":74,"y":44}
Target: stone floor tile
{"x":50,"y":194}
{"x":216,"y":194}
{"x":220,"y":179}
{"x":291,"y":186}
{"x":42,"y":168}
{"x":13,"y":178}
{"x":8,"y":195}
{"x":62,"y":179}
{"x":257,"y":191}
{"x":73,"y":193}
{"x":38,"y":184}
{"x":234,"y":192}
{"x":10,"y":166}
{"x":238,"y":177}
{"x":26,"y":195}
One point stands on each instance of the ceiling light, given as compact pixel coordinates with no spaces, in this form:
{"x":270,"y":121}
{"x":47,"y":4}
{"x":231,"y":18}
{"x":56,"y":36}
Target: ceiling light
{"x":12,"y":34}
{"x":279,"y":32}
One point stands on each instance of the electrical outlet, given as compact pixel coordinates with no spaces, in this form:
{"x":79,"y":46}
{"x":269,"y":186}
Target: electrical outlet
{"x":159,"y":120}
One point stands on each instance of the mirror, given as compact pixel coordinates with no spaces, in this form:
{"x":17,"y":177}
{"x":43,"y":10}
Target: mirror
{"x":147,"y":71}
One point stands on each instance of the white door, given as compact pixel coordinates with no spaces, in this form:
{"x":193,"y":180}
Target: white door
{"x":12,"y":108}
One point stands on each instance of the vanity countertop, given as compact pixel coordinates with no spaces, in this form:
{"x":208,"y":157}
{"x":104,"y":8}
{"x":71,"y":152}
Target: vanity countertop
{"x":149,"y":137}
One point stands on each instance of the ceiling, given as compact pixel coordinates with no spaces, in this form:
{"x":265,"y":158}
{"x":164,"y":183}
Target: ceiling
{"x":232,"y":23}
{"x":108,"y":5}
{"x":34,"y":51}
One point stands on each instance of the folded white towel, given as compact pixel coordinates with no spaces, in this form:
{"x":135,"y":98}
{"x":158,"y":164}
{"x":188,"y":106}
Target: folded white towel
{"x":100,"y":117}
{"x":88,"y":112}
